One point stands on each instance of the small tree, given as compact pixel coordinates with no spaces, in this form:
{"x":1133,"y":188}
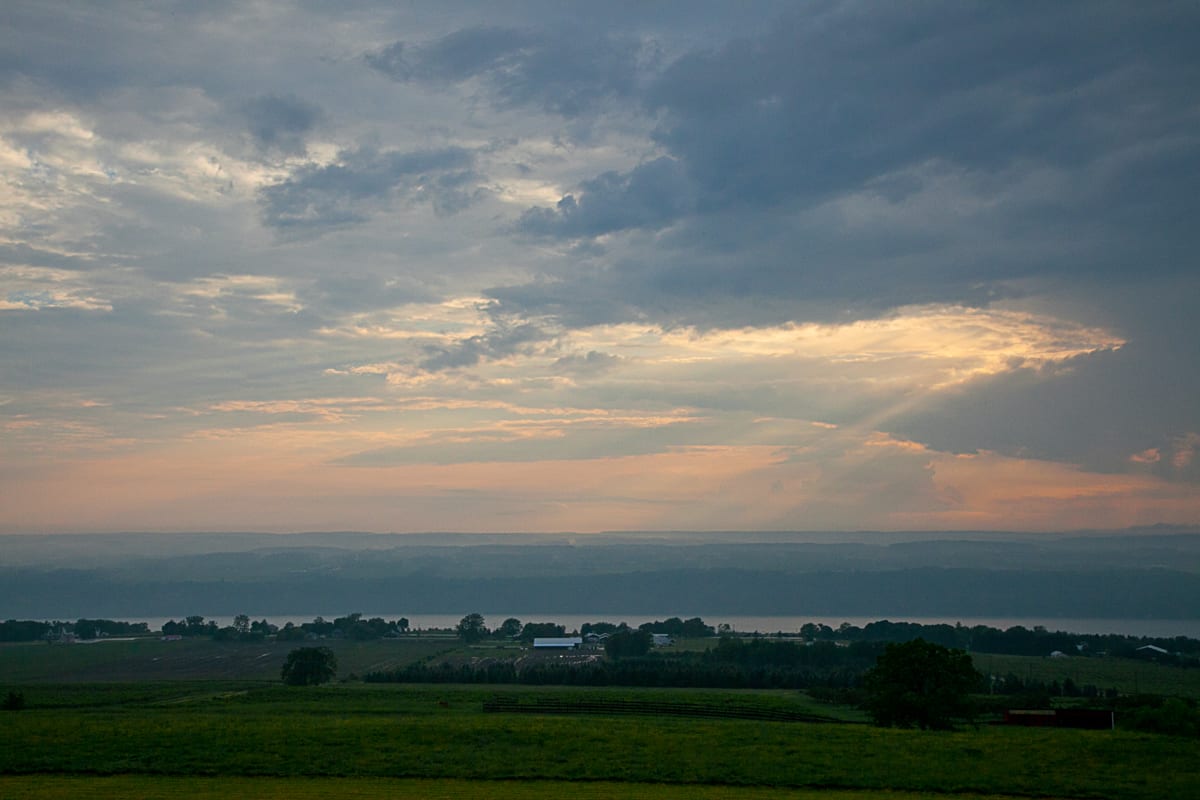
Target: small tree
{"x":922,"y":684}
{"x":309,"y":666}
{"x":471,"y":628}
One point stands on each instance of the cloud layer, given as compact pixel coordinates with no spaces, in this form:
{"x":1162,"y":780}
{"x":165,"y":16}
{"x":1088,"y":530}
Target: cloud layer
{"x":541,"y":267}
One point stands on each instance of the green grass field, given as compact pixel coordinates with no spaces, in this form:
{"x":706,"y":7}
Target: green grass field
{"x":205,"y":719}
{"x":165,"y":733}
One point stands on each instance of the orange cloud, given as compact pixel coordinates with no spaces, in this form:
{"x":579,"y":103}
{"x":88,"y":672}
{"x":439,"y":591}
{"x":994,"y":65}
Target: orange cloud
{"x":1150,"y":455}
{"x":281,"y":479}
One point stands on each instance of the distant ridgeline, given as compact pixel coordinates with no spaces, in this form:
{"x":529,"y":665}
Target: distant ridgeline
{"x":1145,"y":575}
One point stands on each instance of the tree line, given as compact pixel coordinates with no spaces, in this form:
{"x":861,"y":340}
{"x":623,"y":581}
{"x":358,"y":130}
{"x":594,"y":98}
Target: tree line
{"x":473,"y":628}
{"x":26,"y":630}
{"x":1015,"y":640}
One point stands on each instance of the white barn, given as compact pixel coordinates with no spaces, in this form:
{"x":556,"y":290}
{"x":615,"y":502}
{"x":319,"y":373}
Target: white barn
{"x":557,"y":642}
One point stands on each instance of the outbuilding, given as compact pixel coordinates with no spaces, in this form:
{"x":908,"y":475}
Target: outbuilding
{"x":557,"y":642}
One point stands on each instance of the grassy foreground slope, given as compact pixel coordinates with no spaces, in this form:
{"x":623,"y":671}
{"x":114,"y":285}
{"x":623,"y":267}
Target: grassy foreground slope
{"x":224,"y":732}
{"x":122,"y":787}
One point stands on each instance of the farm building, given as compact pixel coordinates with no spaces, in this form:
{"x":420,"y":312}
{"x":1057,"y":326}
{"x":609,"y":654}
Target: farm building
{"x":557,"y":642}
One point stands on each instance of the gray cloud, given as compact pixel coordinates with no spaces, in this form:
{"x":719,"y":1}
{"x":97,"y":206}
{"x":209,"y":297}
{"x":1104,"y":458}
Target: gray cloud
{"x":712,"y":167}
{"x":562,"y":72}
{"x":590,"y":364}
{"x":652,"y":195}
{"x":825,"y":102}
{"x":362,"y":181}
{"x":454,"y":57}
{"x":506,"y":340}
{"x":848,"y":163}
{"x":280,"y":122}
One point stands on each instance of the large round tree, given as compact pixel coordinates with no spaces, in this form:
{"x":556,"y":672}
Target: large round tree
{"x":471,"y":628}
{"x":309,"y":666}
{"x":921,"y":684}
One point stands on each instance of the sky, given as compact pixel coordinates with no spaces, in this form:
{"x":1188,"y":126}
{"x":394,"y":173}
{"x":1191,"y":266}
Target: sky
{"x":548,"y":266}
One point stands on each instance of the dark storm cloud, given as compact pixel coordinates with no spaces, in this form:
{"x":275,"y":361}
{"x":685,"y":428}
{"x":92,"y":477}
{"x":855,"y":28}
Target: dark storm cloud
{"x":984,"y":146}
{"x":362,"y":181}
{"x":280,"y":122}
{"x":563,"y":73}
{"x":824,"y":103}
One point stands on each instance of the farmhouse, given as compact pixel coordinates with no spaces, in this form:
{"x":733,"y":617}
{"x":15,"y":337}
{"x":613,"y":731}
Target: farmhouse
{"x":557,"y":642}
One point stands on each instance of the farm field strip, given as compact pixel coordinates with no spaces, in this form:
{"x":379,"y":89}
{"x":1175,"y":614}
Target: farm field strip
{"x":202,"y":659}
{"x":1126,"y":675}
{"x":151,"y":659}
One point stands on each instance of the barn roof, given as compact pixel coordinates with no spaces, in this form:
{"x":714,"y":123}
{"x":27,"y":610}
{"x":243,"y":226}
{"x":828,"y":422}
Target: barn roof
{"x":557,"y":641}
